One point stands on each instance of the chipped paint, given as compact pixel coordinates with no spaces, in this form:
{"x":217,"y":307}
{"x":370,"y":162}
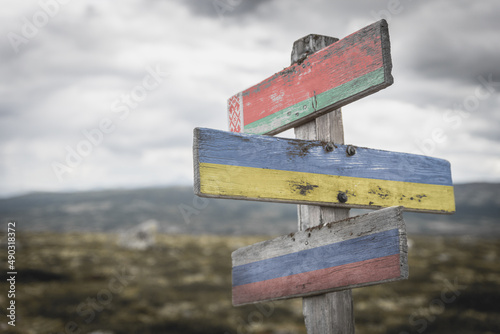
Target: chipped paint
{"x":336,"y":75}
{"x":303,"y":188}
{"x":265,"y":168}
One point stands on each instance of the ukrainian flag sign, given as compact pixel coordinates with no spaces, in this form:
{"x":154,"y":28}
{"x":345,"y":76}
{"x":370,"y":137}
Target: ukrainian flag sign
{"x":264,"y":168}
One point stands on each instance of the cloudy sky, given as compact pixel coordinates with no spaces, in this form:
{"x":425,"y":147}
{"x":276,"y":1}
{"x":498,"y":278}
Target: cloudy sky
{"x":98,"y":94}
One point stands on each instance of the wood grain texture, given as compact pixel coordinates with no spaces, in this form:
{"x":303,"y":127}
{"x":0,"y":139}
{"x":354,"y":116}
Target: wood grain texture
{"x":359,"y":251}
{"x":330,"y":313}
{"x":345,"y":71}
{"x":333,"y":312}
{"x":264,"y":168}
{"x":309,"y":44}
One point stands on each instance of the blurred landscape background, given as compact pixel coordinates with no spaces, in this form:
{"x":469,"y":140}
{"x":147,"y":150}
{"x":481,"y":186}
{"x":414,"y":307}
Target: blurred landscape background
{"x":158,"y":260}
{"x":98,"y":102}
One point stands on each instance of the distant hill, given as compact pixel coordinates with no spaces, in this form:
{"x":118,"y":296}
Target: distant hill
{"x":177,"y":210}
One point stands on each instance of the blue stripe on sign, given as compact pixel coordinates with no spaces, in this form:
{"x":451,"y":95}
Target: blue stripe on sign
{"x":344,"y":252}
{"x":236,"y":149}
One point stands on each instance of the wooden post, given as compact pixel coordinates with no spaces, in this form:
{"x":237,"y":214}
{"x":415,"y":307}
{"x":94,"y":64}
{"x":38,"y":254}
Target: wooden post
{"x":332,"y":312}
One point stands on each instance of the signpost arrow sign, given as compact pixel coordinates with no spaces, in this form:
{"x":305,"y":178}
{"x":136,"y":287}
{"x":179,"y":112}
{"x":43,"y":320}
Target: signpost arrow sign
{"x":355,"y":252}
{"x":320,"y":262}
{"x":343,"y":72}
{"x":264,"y":168}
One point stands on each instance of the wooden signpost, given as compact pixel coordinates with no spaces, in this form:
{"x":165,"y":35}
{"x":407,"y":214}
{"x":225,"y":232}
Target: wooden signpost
{"x":331,"y":253}
{"x":264,"y":168}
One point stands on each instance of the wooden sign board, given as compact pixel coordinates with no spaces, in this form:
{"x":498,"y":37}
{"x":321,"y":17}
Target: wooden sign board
{"x":355,"y":252}
{"x":264,"y":168}
{"x":345,"y":71}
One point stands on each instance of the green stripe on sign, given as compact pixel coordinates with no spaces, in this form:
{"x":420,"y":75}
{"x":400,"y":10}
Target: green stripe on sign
{"x":310,"y":105}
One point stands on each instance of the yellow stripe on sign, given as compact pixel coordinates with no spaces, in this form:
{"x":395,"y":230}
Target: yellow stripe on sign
{"x":284,"y":186}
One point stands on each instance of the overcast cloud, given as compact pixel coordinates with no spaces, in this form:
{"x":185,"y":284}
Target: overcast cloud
{"x":133,"y":79}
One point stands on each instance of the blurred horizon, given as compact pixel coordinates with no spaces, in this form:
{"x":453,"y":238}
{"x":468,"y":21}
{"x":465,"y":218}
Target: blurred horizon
{"x":176,"y":210}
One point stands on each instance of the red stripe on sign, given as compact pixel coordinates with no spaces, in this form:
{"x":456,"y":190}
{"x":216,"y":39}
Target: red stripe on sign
{"x":368,"y":271}
{"x":326,"y":69}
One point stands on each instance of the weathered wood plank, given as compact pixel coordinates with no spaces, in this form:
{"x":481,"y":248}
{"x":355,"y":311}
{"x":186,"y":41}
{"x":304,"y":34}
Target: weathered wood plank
{"x":345,"y":71}
{"x":264,"y":168}
{"x":359,"y":251}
